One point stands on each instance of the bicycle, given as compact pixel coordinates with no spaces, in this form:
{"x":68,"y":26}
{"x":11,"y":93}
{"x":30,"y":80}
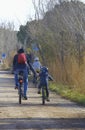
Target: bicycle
{"x":20,"y":79}
{"x":45,"y":92}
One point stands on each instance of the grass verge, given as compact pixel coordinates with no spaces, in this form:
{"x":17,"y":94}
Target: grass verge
{"x":68,"y":93}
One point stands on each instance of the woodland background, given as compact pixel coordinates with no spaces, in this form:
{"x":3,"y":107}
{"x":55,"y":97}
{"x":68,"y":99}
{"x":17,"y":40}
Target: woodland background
{"x":58,"y":31}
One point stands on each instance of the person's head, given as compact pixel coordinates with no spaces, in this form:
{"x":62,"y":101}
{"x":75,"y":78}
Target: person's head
{"x":44,"y":69}
{"x":36,"y":59}
{"x":21,"y":50}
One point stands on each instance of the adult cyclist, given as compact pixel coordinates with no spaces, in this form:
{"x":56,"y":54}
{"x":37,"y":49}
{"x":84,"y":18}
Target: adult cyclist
{"x":18,"y":66}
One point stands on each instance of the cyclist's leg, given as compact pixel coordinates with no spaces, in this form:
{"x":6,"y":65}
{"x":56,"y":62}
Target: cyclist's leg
{"x":16,"y":79}
{"x":25,"y":82}
{"x":47,"y":91}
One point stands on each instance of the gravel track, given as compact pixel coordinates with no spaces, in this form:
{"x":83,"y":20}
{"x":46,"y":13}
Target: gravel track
{"x":58,"y":114}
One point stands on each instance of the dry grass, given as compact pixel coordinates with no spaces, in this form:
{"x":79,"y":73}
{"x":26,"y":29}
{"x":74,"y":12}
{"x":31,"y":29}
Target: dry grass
{"x":70,"y":73}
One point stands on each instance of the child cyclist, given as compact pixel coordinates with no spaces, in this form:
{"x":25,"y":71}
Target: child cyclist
{"x":44,"y":78}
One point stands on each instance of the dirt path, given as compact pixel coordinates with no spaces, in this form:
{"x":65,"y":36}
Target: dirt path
{"x":31,"y":114}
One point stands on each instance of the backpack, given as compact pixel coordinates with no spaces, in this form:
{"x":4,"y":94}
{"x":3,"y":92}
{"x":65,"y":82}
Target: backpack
{"x":22,"y":58}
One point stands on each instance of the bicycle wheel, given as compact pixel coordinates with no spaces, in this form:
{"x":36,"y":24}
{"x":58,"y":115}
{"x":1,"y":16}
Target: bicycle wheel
{"x":20,"y":91}
{"x":20,"y":79}
{"x":43,"y":95}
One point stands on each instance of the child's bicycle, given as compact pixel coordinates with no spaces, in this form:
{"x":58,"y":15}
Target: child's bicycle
{"x":44,"y":91}
{"x":20,"y":79}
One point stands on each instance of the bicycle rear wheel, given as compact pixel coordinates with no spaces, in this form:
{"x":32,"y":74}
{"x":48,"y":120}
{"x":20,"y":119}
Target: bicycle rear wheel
{"x":20,"y":91}
{"x":20,"y":79}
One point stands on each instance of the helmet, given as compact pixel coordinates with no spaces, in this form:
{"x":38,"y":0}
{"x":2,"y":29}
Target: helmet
{"x":44,"y":69}
{"x":36,"y":59}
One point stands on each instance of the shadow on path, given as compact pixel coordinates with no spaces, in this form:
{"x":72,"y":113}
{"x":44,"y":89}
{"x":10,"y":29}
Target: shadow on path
{"x":42,"y":123}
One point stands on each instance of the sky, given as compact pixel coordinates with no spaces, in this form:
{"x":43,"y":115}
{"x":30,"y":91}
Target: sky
{"x":83,"y":1}
{"x":17,"y":12}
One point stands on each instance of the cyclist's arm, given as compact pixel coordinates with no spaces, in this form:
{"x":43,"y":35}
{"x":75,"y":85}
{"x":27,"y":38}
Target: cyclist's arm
{"x":50,"y":77}
{"x":32,"y":69}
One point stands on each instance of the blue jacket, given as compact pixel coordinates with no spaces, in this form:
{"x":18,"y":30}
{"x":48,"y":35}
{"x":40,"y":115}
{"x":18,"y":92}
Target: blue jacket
{"x":44,"y":78}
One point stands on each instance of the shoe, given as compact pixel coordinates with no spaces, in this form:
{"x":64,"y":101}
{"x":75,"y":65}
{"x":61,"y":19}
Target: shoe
{"x":39,"y":92}
{"x":25,"y":98}
{"x":16,"y":87}
{"x":48,"y":100}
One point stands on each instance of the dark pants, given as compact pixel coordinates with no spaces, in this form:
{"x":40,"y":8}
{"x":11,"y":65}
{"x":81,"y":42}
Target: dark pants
{"x":46,"y":88}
